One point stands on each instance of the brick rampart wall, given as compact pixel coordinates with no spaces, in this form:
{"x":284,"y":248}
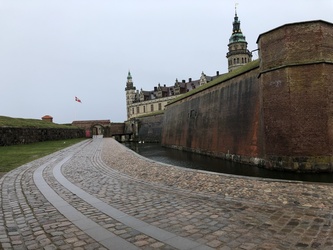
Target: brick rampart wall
{"x":222,"y":121}
{"x":296,"y":79}
{"x":117,"y":128}
{"x":12,"y":136}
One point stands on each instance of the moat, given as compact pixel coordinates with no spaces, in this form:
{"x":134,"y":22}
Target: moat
{"x":184,"y":159}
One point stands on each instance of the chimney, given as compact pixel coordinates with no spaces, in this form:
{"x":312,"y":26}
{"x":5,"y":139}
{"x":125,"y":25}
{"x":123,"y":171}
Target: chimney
{"x":183,"y":81}
{"x":217,"y":73}
{"x":190,"y":80}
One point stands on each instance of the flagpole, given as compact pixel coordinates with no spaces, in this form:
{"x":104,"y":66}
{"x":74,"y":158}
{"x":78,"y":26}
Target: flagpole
{"x":75,"y":111}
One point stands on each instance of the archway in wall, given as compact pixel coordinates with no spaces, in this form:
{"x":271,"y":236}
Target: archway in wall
{"x":97,"y":129}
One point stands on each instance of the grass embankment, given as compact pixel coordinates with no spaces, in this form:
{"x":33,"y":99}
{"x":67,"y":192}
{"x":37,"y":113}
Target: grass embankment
{"x":222,"y":78}
{"x":6,"y":121}
{"x":17,"y":155}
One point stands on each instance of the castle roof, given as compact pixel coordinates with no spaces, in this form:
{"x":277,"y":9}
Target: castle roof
{"x":172,"y":90}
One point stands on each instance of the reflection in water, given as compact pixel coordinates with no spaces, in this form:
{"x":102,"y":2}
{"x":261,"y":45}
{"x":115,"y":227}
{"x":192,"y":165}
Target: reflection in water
{"x":196,"y":161}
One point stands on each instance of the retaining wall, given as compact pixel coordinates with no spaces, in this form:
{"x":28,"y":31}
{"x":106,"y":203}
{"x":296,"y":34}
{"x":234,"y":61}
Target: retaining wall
{"x":13,"y":136}
{"x":150,"y":128}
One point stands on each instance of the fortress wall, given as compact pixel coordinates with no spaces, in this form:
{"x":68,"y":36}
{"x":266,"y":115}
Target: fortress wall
{"x":117,"y":128}
{"x":297,"y":115}
{"x":13,"y":136}
{"x":296,"y":80}
{"x":150,"y":128}
{"x":297,"y":108}
{"x":222,"y":121}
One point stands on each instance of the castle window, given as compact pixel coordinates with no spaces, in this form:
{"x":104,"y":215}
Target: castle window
{"x":137,"y":110}
{"x":144,"y":109}
{"x":242,"y":59}
{"x":245,"y":59}
{"x":152,"y":107}
{"x":160,"y":106}
{"x":237,"y":60}
{"x":234,"y":60}
{"x":132,"y":110}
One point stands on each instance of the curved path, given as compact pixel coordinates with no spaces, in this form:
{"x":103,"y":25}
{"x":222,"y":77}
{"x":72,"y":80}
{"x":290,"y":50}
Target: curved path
{"x":73,"y":200}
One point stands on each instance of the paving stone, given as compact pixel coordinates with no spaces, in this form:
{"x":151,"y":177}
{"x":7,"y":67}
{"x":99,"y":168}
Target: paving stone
{"x":214,"y":243}
{"x":213,"y":210}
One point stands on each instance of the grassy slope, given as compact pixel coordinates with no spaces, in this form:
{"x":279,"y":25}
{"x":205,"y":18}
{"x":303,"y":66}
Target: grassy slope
{"x":6,"y":121}
{"x":17,"y":155}
{"x":219,"y":80}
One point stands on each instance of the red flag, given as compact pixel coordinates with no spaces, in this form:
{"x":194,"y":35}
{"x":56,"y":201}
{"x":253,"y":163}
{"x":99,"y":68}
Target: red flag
{"x":77,"y":100}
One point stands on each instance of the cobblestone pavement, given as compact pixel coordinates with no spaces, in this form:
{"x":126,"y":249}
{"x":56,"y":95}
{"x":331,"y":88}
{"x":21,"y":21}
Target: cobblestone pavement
{"x":99,"y":195}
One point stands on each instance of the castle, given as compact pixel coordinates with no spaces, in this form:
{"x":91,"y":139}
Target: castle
{"x":139,"y":103}
{"x":275,"y":112}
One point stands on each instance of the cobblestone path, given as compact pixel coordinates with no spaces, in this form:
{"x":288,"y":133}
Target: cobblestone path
{"x":72,"y":199}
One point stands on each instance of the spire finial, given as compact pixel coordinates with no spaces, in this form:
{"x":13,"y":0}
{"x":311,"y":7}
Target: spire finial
{"x":236,"y":9}
{"x":129,"y":74}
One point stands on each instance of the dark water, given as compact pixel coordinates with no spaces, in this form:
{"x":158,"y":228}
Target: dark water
{"x":184,"y":159}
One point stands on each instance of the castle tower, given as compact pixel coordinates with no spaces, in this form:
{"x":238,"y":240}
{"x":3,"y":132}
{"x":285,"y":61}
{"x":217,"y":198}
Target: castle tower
{"x":238,"y":54}
{"x":130,"y":93}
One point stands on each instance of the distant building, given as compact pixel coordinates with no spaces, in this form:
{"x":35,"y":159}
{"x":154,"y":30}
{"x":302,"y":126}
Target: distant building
{"x":47,"y":118}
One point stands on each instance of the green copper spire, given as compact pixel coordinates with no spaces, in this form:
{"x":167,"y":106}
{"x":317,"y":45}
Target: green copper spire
{"x":237,"y":35}
{"x":129,"y":75}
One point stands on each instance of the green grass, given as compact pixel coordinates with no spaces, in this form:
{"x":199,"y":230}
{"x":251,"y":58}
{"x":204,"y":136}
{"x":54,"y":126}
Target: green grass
{"x":6,"y":121}
{"x":14,"y":156}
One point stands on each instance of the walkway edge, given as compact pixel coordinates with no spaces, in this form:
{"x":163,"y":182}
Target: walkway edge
{"x":100,"y":234}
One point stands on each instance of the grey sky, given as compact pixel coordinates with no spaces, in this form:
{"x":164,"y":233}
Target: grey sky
{"x":52,"y":51}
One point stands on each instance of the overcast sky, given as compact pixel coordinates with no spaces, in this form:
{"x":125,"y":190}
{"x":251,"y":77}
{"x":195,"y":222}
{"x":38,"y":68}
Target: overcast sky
{"x":54,"y":50}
